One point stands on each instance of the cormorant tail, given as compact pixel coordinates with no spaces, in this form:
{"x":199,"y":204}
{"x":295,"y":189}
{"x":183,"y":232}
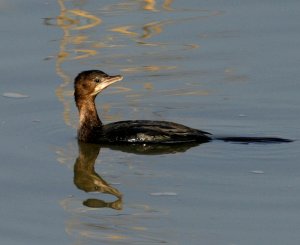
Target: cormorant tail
{"x":249,"y":140}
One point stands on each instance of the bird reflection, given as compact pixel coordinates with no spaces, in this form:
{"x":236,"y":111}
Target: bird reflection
{"x":86,"y":178}
{"x":152,"y":149}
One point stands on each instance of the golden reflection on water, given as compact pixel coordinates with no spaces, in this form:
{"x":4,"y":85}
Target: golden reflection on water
{"x":150,"y":5}
{"x":147,"y":68}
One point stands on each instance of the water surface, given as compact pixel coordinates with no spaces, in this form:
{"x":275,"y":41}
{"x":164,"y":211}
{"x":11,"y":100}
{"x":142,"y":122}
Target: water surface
{"x":225,"y":67}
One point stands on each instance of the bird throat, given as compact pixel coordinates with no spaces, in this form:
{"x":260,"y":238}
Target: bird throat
{"x":88,"y":118}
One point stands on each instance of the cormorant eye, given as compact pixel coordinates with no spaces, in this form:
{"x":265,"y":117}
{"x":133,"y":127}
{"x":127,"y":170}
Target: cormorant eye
{"x":97,"y":80}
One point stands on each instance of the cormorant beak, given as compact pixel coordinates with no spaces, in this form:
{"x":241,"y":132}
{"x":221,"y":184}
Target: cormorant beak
{"x":107,"y":82}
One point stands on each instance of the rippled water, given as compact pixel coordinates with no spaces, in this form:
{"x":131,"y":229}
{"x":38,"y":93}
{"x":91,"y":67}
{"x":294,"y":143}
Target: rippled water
{"x":229,"y":68}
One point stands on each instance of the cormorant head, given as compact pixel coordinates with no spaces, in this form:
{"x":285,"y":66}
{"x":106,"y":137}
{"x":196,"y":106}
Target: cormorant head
{"x":90,"y":83}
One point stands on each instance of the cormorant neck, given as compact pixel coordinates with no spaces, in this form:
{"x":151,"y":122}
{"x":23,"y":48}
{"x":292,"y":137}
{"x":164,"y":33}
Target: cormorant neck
{"x":88,"y":112}
{"x":88,"y":117}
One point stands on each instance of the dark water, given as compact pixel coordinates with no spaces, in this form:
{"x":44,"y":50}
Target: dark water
{"x":227,"y":67}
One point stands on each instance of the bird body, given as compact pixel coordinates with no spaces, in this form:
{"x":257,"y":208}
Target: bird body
{"x":88,"y":84}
